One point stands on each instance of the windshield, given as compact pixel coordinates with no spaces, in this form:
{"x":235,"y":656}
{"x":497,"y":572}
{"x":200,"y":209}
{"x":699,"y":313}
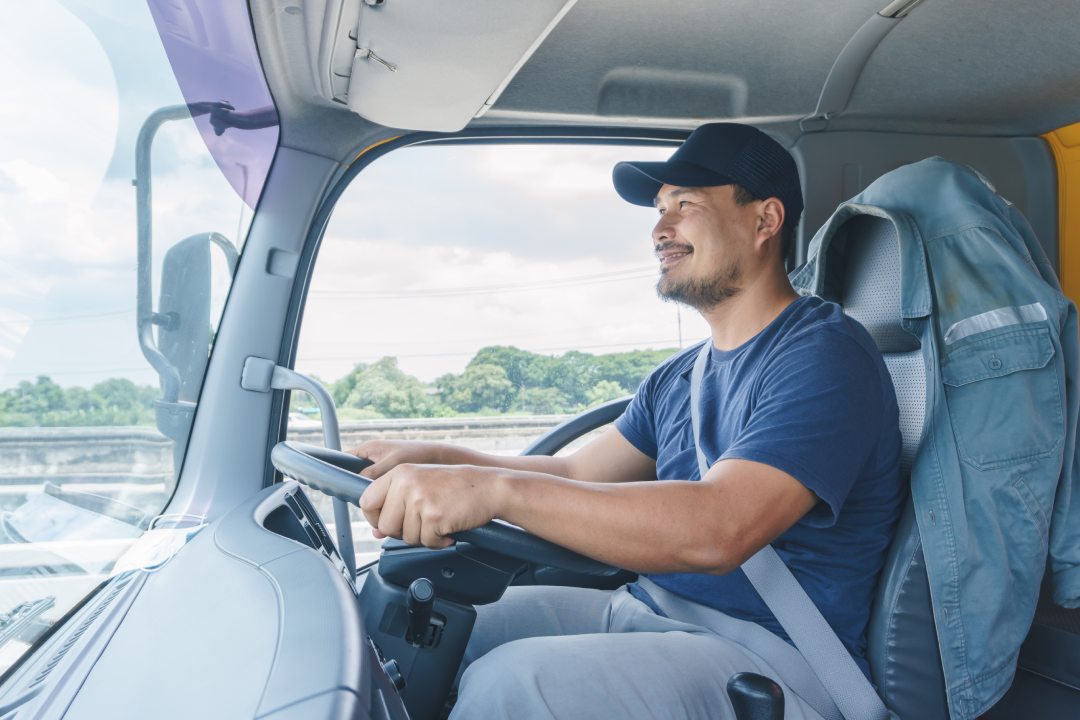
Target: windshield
{"x":111,"y":294}
{"x":521,"y":296}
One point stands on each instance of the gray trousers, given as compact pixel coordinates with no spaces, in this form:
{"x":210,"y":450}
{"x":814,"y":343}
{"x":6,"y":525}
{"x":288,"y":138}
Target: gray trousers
{"x":558,"y":652}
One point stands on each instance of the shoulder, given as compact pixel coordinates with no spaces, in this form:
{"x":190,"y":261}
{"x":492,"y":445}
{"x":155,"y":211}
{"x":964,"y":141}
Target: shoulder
{"x":820,"y":345}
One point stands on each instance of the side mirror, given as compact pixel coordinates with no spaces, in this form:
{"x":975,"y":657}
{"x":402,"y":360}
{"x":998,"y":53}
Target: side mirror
{"x":176,"y":337}
{"x":175,"y":340}
{"x":182,"y":319}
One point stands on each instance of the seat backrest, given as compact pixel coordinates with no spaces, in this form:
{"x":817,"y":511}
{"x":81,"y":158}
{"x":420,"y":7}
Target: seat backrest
{"x":864,"y":269}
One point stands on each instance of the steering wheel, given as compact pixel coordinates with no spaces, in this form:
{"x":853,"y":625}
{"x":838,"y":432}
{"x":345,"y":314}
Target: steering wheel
{"x":336,"y":473}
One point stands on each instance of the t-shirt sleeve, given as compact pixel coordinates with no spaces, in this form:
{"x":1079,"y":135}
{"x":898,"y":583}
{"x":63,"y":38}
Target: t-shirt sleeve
{"x":638,"y":422}
{"x":818,"y":416}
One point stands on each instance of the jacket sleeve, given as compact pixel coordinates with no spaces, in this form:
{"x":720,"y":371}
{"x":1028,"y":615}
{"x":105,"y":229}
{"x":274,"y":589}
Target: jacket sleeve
{"x":1065,"y":523}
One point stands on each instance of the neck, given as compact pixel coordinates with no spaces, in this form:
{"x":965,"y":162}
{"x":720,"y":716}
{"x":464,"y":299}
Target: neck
{"x":748,"y":312}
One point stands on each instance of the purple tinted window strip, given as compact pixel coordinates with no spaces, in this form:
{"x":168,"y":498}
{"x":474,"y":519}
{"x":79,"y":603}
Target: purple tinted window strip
{"x":211,"y":48}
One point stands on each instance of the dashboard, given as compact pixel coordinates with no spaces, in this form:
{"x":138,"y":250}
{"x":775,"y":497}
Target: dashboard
{"x":256,"y":616}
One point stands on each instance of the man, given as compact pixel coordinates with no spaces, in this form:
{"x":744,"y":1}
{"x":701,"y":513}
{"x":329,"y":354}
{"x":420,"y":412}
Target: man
{"x":798,"y":422}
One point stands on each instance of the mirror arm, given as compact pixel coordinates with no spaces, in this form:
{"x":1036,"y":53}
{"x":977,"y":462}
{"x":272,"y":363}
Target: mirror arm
{"x":232,"y":255}
{"x":224,"y":116}
{"x":144,"y":314}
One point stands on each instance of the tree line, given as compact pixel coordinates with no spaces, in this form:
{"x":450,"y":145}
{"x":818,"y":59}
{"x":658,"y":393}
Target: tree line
{"x":499,"y":379}
{"x":43,"y":403}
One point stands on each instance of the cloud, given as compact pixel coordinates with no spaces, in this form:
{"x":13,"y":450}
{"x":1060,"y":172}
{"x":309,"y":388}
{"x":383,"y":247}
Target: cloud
{"x":433,"y":252}
{"x":67,"y":207}
{"x":63,"y":259}
{"x":434,"y":307}
{"x":13,"y":328}
{"x":562,"y":172}
{"x":471,"y":196}
{"x":61,"y":104}
{"x":7,"y":183}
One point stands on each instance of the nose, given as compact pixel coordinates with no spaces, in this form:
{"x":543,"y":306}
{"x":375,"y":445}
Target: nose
{"x":664,"y":228}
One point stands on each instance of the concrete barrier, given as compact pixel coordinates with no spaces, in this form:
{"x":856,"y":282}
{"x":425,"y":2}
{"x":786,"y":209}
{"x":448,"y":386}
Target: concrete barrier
{"x":138,"y":454}
{"x":134,"y":465}
{"x":503,"y":435}
{"x":142,"y":454}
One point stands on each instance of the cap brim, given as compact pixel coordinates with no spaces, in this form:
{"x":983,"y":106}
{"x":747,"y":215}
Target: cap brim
{"x":639,"y":182}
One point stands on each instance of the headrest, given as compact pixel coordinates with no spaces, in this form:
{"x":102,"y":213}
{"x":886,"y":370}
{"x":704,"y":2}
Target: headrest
{"x":863,"y":275}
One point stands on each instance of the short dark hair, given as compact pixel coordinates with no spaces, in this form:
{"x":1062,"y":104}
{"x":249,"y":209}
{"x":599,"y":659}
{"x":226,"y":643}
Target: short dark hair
{"x":787,"y":232}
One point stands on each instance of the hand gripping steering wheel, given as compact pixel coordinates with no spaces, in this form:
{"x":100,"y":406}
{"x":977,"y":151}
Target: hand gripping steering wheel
{"x":336,"y":473}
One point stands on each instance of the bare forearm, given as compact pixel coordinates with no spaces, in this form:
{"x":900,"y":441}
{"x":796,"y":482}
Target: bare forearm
{"x":609,"y":458}
{"x":457,"y":455}
{"x":710,"y":526}
{"x":670,"y":526}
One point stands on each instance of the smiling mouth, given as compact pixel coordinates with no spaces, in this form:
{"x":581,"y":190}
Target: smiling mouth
{"x":670,"y":255}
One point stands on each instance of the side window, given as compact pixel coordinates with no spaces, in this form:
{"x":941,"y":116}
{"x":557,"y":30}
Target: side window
{"x":108,"y":299}
{"x":480,"y":295}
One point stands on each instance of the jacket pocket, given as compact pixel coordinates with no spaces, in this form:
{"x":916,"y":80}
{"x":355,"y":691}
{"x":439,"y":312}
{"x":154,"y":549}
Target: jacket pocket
{"x":1003,"y":395}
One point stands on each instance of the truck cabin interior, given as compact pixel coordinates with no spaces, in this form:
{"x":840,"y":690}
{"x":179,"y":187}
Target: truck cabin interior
{"x":252,"y":617}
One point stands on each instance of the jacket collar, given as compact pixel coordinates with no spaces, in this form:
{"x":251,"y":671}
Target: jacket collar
{"x":915,"y":300}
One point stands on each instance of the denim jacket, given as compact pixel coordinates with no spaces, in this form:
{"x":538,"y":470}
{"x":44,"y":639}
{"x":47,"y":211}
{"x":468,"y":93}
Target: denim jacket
{"x":995,"y":483}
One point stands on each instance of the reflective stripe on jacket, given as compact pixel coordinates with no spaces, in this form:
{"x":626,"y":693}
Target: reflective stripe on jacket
{"x":995,"y":484}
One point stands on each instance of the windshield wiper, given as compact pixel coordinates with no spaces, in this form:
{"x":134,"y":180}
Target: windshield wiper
{"x":16,"y":620}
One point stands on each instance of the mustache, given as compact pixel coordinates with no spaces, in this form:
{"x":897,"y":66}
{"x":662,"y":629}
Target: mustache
{"x":670,"y":245}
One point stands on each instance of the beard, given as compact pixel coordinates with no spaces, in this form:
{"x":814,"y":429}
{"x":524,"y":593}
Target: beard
{"x":702,"y":294}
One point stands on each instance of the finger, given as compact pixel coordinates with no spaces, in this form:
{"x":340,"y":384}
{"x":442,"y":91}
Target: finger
{"x":372,"y":516}
{"x":372,"y":499}
{"x":431,"y":535}
{"x":410,"y":527}
{"x":377,"y":470}
{"x":392,"y":512}
{"x":382,"y":458}
{"x":433,"y":531}
{"x":363,"y":450}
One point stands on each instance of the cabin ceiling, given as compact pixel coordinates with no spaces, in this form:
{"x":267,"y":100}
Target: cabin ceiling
{"x":976,"y":67}
{"x":688,"y":60}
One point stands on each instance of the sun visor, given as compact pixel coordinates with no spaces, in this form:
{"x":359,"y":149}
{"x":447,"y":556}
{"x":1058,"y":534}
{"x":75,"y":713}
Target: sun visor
{"x":429,"y":64}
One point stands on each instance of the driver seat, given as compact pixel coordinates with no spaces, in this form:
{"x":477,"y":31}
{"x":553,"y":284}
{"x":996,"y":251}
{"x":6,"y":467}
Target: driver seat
{"x":863,"y":275}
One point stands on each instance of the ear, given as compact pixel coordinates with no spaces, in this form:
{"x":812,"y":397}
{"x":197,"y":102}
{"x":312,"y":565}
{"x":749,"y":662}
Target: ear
{"x":770,"y":221}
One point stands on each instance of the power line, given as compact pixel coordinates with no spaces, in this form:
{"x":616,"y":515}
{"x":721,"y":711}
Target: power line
{"x":487,"y":340}
{"x":51,"y":373}
{"x":595,"y":279}
{"x":560,"y":348}
{"x":67,"y":318}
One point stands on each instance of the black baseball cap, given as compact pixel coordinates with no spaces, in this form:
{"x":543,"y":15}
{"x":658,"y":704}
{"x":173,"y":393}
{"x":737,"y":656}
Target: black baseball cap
{"x":718,"y":154}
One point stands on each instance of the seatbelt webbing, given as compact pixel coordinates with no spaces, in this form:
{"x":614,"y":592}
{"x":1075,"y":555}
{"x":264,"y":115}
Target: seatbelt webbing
{"x":824,"y":653}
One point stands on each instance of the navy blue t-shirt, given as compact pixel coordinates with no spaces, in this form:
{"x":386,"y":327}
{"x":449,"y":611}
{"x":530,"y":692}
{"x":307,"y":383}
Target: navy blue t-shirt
{"x":809,"y":395}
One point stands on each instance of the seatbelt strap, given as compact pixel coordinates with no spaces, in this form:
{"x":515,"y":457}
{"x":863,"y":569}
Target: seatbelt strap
{"x":824,"y":653}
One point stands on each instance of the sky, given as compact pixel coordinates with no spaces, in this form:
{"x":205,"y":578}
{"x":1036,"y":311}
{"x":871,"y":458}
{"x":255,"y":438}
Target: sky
{"x":67,"y":206}
{"x":431,"y":254}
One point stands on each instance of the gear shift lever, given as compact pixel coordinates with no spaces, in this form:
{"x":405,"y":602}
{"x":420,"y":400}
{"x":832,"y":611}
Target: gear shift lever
{"x":418,"y":602}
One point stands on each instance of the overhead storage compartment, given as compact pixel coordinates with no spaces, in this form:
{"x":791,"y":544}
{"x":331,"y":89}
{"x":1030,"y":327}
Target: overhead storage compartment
{"x":427,"y":64}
